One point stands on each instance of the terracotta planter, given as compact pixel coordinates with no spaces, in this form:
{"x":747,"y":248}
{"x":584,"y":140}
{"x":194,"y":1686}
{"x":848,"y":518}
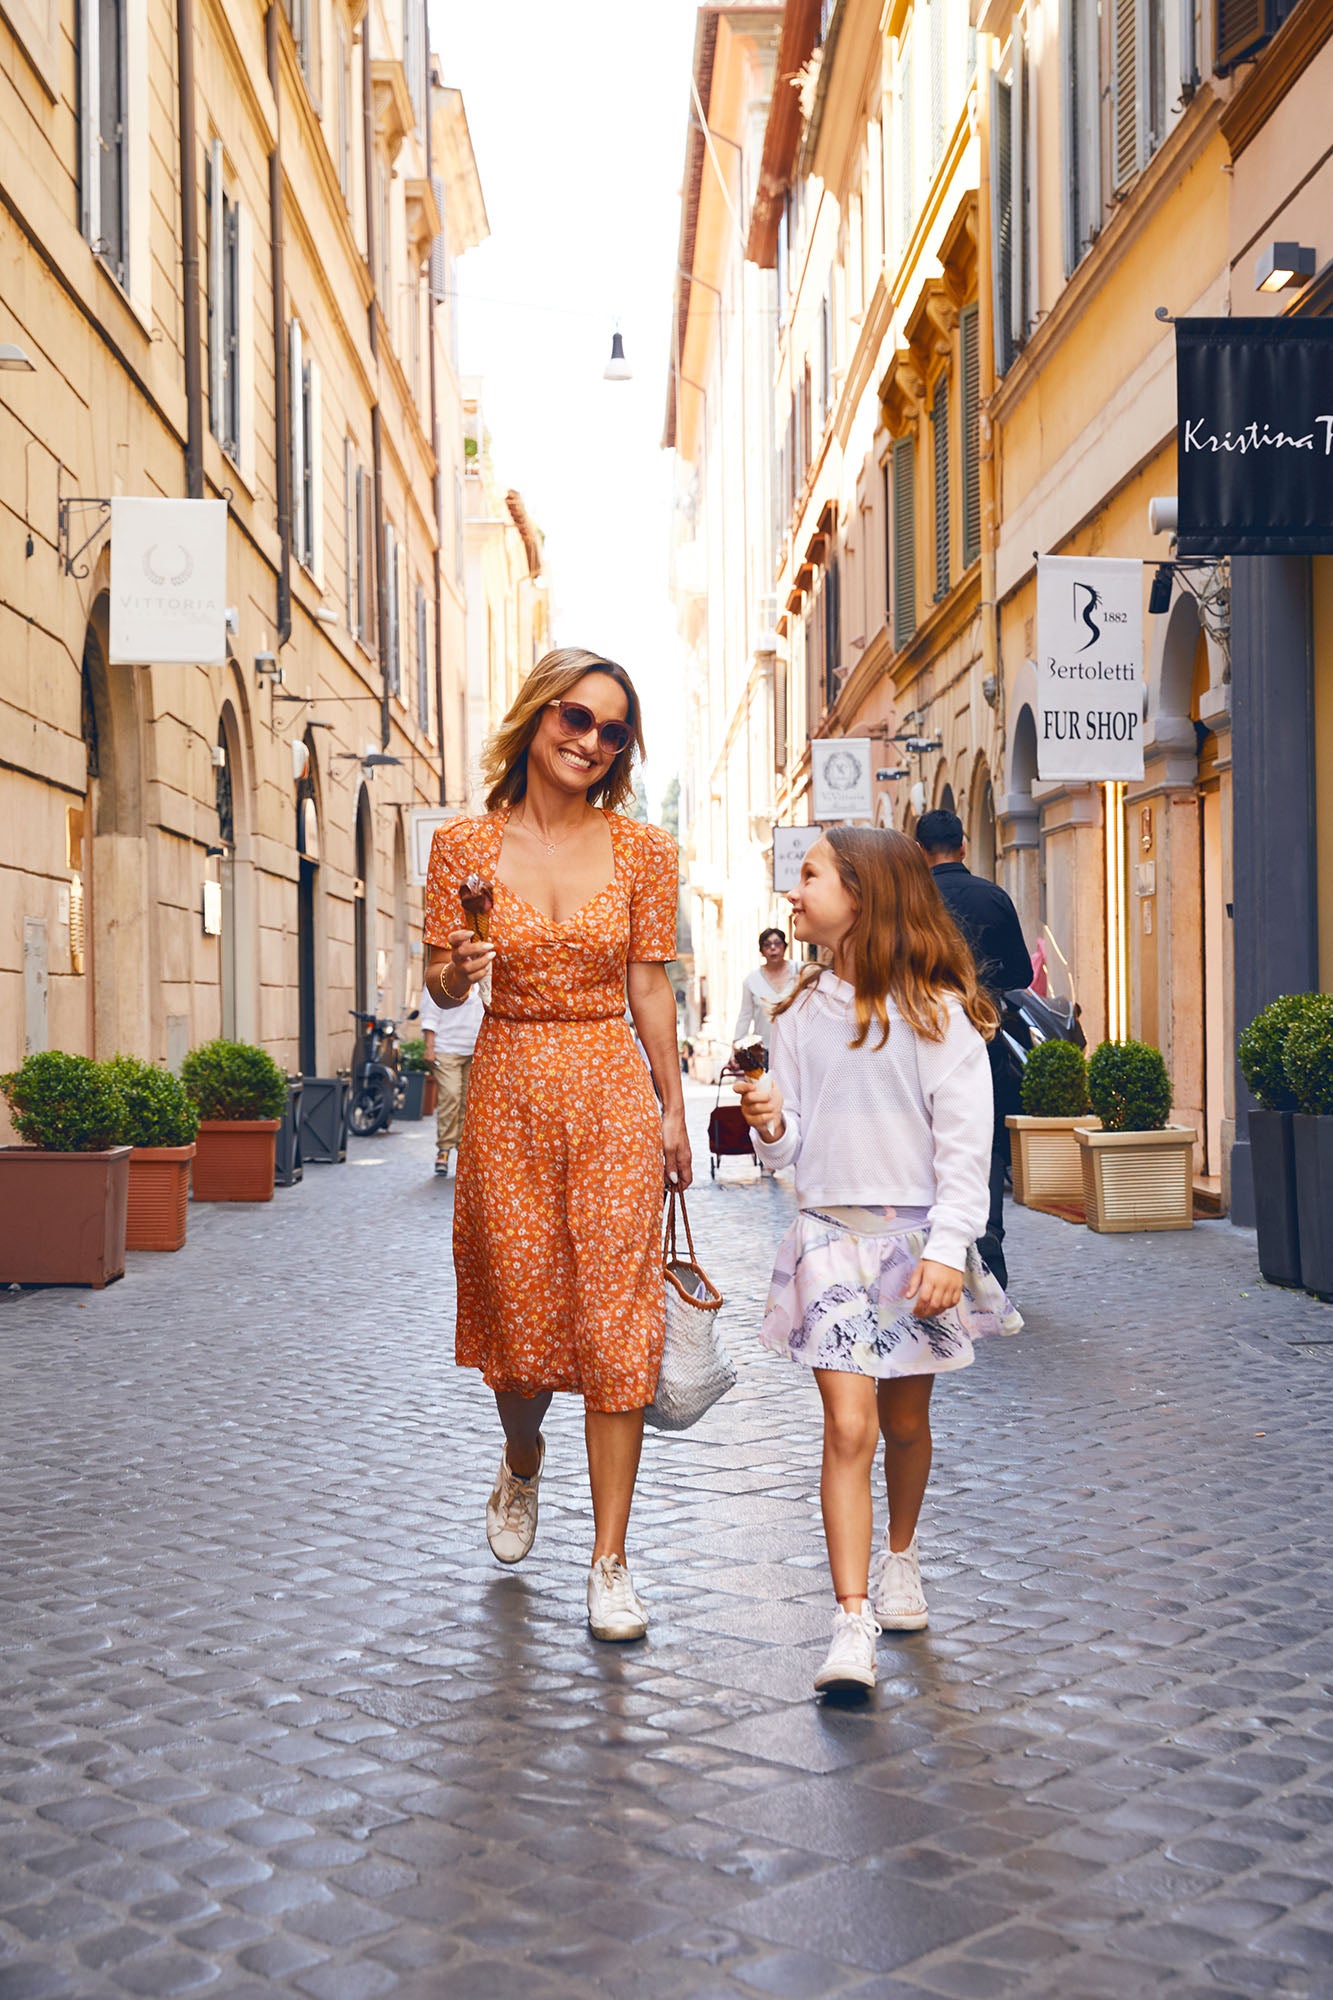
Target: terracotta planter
{"x":159,"y":1203}
{"x":1138,"y":1180}
{"x":1047,"y":1164}
{"x":235,"y":1159}
{"x":62,"y":1216}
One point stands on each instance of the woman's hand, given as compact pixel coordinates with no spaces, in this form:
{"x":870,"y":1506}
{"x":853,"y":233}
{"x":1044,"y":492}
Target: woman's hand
{"x":676,"y":1148}
{"x":935,"y":1287}
{"x":761,"y":1102}
{"x":466,"y":966}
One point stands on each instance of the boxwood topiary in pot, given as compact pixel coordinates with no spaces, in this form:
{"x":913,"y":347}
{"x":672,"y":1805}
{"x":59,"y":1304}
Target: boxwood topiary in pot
{"x":1047,"y":1164}
{"x":1260,"y":1052}
{"x":63,"y":1194}
{"x":1307,"y":1059}
{"x":1138,"y":1171}
{"x":241,"y":1095}
{"x":160,"y":1124}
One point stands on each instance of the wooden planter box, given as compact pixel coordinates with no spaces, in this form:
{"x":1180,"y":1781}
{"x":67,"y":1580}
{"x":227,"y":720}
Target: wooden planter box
{"x":62,"y":1216}
{"x":1138,"y":1180}
{"x":1047,"y":1164}
{"x":159,"y":1203}
{"x":235,"y":1159}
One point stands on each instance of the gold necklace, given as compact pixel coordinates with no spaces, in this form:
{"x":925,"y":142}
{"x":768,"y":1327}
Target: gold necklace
{"x":549,"y":845}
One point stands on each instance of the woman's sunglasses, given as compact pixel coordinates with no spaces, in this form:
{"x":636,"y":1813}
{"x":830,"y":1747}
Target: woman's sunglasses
{"x":576,"y":720}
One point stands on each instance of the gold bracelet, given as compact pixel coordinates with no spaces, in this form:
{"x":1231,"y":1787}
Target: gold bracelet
{"x":449,"y":994}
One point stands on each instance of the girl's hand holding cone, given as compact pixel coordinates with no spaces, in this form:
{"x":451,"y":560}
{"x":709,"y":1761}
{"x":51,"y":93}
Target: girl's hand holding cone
{"x":761,"y":1103}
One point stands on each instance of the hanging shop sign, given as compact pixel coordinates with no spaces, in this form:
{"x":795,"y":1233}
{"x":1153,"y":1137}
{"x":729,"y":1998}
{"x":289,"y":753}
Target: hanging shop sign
{"x":422,"y":822}
{"x":168,"y":583}
{"x":791,"y":844}
{"x":1255,"y":436}
{"x":840,"y":777}
{"x":1089,"y":669}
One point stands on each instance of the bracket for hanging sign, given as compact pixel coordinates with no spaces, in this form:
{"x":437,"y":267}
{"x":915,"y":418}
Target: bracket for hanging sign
{"x":70,"y":557}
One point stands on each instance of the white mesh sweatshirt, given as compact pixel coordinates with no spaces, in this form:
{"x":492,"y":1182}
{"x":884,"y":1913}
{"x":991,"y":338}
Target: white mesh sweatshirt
{"x":908,"y":1124}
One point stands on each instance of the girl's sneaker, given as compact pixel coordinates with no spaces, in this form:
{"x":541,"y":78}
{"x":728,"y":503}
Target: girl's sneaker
{"x":899,"y":1600}
{"x":851,"y":1654}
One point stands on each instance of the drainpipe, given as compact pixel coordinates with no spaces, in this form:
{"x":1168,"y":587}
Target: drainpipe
{"x":376,"y":426}
{"x":435,"y":447}
{"x":194,"y":380}
{"x":282,"y":416}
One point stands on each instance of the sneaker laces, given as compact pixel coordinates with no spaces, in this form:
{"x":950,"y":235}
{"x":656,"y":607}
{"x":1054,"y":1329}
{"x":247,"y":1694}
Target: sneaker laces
{"x":849,"y":1628}
{"x":516,"y":1500}
{"x":616,"y":1582}
{"x":897,"y":1571}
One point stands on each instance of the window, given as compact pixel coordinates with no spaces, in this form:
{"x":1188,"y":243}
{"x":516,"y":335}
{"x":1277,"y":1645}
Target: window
{"x":224,"y":370}
{"x":904,"y":540}
{"x":307,"y":457}
{"x":970,"y":356}
{"x":104,"y":119}
{"x":359,"y":595}
{"x":825,"y":361}
{"x":344,"y":89}
{"x":907,"y":166}
{"x":888,"y":537}
{"x":1080,"y":104}
{"x":393,"y":665}
{"x":939,"y":422}
{"x":832,"y":633}
{"x":303,"y":18}
{"x":939,"y":50}
{"x":1138,"y":93}
{"x":423,"y":664}
{"x":1002,"y":219}
{"x":414,"y":56}
{"x":1241,"y":27}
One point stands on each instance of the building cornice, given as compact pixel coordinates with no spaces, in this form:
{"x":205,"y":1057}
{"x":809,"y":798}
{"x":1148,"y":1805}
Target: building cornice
{"x":1276,"y":68}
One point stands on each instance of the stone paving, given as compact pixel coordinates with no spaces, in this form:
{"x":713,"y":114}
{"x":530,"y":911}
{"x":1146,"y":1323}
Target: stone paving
{"x":271,"y":1719}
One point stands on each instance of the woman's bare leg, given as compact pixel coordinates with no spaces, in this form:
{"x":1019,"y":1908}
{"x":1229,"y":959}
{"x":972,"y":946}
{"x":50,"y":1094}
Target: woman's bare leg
{"x":615,"y":1439}
{"x":522,"y":1419}
{"x":904,"y":1419}
{"x":851,"y":1432}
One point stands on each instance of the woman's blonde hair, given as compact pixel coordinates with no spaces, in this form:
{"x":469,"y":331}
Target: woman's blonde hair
{"x":504,"y":760}
{"x":904,"y":944}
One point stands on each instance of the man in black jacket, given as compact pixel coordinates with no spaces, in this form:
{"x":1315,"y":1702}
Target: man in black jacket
{"x":989,"y":922}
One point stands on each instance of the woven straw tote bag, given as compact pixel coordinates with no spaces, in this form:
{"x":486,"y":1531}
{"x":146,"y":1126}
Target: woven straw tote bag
{"x":696,"y":1368}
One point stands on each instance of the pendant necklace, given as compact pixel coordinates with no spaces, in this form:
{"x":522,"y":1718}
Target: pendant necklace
{"x":549,"y":845}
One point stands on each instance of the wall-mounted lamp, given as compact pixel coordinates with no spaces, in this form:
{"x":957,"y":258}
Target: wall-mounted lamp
{"x":891,"y":777}
{"x":14,"y":358}
{"x":218,"y":755}
{"x":1163,"y":515}
{"x":617,"y":368}
{"x":267,"y":669}
{"x":1159,"y":597}
{"x":1283,"y":264}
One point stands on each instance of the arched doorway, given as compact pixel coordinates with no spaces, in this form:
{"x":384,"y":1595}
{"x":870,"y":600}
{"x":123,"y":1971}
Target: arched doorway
{"x":981,"y":845}
{"x":363,"y":918}
{"x":400,"y":996}
{"x":309,"y":856}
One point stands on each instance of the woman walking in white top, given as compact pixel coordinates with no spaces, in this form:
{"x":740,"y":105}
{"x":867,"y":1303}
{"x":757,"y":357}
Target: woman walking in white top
{"x":880,"y":1094}
{"x":765,"y":987}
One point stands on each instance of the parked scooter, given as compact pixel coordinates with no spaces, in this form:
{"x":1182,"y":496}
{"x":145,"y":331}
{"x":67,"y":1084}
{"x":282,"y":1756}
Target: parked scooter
{"x":1027,"y":1019}
{"x":378,"y":1089}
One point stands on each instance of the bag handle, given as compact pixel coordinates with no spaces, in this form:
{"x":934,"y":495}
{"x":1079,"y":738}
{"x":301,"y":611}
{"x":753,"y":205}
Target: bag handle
{"x":674,"y":1195}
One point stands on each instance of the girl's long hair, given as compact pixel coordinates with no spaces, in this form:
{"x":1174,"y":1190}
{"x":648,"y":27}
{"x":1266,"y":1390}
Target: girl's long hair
{"x":903,"y":942}
{"x":504,"y":759}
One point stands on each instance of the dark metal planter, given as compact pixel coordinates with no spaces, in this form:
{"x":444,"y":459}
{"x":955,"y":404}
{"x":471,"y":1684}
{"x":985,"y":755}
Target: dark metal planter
{"x":1312,"y":1145}
{"x":287,"y":1166}
{"x":324,"y":1106}
{"x":414,"y":1102}
{"x":1275,"y":1196}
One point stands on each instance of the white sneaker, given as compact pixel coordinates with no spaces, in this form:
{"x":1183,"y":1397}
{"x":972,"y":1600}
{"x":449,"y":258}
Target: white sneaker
{"x":511,"y":1511}
{"x":615,"y":1609}
{"x":851,"y":1654}
{"x":899,"y":1600}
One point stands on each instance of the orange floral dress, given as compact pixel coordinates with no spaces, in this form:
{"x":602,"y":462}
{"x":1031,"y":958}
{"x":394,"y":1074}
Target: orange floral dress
{"x":558,"y":1203}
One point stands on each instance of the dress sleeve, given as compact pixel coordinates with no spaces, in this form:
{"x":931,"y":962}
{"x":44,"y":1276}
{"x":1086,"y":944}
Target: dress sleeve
{"x":449,"y":863}
{"x":956,"y":1085}
{"x":654,"y":896}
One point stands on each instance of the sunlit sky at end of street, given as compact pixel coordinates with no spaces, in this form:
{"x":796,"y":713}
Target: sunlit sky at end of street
{"x":578,"y":115}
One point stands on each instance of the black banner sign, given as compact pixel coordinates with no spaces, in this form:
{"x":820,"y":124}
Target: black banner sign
{"x":1255,"y":436}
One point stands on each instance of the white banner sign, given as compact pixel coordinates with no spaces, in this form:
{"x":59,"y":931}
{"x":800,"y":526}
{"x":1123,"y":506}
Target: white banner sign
{"x":840,"y":774}
{"x":1089,"y":668}
{"x":423,"y":821}
{"x":791,"y":844}
{"x":169,"y":583}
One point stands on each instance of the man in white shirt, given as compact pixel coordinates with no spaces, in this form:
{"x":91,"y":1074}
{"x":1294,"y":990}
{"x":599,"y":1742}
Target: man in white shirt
{"x":450,"y":1035}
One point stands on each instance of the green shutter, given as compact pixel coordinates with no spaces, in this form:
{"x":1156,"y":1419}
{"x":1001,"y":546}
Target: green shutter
{"x":969,"y":341}
{"x":939,"y":420}
{"x":904,"y":540}
{"x":1002,"y":221}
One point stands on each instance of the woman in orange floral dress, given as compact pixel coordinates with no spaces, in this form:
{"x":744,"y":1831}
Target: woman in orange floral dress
{"x":560,"y":1173}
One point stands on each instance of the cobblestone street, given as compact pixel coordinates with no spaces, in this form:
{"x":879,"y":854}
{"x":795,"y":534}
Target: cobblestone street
{"x":274,"y":1720}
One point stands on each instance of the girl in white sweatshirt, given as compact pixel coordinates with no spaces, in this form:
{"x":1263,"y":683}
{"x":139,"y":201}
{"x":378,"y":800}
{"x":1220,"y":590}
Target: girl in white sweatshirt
{"x":880,"y":1093}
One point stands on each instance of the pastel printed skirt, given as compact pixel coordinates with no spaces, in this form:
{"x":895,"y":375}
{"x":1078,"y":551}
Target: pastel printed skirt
{"x":837,"y":1297}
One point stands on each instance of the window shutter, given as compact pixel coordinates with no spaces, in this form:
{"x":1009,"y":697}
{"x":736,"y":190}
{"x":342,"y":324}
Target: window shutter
{"x":906,"y":174}
{"x":887,"y":498}
{"x":439,"y":257}
{"x":217,"y":264}
{"x":360,"y":529}
{"x":315,"y":453}
{"x":1020,"y":277}
{"x":904,"y":540}
{"x":1239,"y":28}
{"x":1127,"y":92}
{"x":939,"y":419}
{"x":231,"y":328}
{"x":112,"y":148}
{"x":245,"y":343}
{"x":832,"y":633}
{"x":1002,"y":220}
{"x":349,"y":513}
{"x":90,"y":152}
{"x":296,"y":372}
{"x":423,"y":664}
{"x":970,"y":344}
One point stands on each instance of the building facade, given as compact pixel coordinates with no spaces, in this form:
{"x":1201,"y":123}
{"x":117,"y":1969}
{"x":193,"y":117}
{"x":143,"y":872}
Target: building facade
{"x":226,"y":273}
